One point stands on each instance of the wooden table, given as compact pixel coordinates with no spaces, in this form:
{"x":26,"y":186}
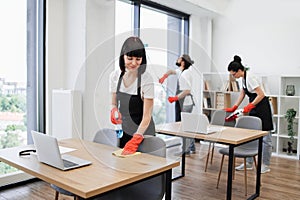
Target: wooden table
{"x":106,"y":173}
{"x":228,"y":135}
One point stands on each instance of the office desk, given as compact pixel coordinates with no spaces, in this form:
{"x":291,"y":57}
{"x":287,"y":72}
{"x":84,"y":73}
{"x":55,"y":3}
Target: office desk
{"x":106,"y":173}
{"x":230,"y":136}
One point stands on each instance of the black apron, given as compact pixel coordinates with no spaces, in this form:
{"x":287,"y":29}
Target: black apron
{"x":261,"y":110}
{"x":179,"y":104}
{"x":131,"y":108}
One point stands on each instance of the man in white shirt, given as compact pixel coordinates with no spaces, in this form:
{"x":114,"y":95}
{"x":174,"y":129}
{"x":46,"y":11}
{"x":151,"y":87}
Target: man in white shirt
{"x":183,"y":99}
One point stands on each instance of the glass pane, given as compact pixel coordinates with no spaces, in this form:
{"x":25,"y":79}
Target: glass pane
{"x":13,"y":75}
{"x":123,"y":26}
{"x":124,"y":17}
{"x":163,"y":41}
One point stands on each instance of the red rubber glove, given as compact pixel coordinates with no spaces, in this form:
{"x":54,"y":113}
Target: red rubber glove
{"x":232,"y":109}
{"x":248,"y":108}
{"x":132,"y":145}
{"x":232,"y":118}
{"x":115,"y":116}
{"x":172,"y":99}
{"x":163,"y":78}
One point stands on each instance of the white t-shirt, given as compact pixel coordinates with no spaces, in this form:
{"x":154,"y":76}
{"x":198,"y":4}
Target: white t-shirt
{"x":186,"y":79}
{"x":147,"y":85}
{"x":185,"y":83}
{"x":251,"y":81}
{"x":178,"y":72}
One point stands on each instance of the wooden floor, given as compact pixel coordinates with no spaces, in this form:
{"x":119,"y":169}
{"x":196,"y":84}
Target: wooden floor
{"x":282,"y":183}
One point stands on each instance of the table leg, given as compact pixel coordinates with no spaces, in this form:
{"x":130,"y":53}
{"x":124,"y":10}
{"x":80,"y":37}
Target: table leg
{"x":168,"y":185}
{"x":182,"y":160}
{"x":258,"y":172}
{"x":183,"y":156}
{"x":230,"y":169}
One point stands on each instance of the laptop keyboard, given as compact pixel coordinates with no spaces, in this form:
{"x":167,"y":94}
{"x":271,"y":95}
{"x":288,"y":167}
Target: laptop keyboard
{"x":69,"y":163}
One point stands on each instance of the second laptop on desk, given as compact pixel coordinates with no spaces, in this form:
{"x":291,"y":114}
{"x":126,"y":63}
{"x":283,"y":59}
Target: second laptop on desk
{"x":48,"y":152}
{"x":198,"y":123}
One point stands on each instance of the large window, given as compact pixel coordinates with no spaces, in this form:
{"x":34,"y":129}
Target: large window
{"x":164,"y":32}
{"x":21,"y":76}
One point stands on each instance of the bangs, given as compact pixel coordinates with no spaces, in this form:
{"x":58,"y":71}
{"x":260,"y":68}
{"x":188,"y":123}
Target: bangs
{"x":136,"y":53}
{"x":133,"y":46}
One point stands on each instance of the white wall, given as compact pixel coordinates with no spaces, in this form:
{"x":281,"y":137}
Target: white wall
{"x":265,"y":33}
{"x":100,"y":44}
{"x":54,"y":54}
{"x":77,"y":58}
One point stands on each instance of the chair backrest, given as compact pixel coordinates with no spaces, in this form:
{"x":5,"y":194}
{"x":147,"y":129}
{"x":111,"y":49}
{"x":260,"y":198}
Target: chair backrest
{"x":106,"y":136}
{"x":218,"y":117}
{"x":154,"y":187}
{"x":153,"y":145}
{"x":249,"y":122}
{"x":150,"y":189}
{"x":229,"y":123}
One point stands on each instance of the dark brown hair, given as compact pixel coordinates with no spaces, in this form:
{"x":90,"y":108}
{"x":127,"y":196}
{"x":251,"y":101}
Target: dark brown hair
{"x":236,"y":64}
{"x":133,"y":46}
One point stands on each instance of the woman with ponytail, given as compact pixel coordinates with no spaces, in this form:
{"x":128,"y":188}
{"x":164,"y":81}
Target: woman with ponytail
{"x":258,"y":106}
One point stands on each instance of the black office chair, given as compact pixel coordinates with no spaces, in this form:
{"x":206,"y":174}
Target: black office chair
{"x":246,"y":150}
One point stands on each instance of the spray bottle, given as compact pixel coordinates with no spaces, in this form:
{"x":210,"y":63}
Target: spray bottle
{"x":118,"y":127}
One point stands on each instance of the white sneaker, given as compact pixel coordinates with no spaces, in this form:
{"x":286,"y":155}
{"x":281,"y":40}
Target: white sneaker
{"x":249,"y":166}
{"x":265,"y":169}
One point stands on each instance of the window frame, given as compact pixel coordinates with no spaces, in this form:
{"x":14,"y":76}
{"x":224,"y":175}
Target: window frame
{"x":35,"y":87}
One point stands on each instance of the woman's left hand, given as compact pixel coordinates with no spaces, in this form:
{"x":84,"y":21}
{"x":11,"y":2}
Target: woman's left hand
{"x":132,"y":145}
{"x":248,"y":108}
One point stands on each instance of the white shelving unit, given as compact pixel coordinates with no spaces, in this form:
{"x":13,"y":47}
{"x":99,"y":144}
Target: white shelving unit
{"x":275,"y":88}
{"x":215,"y":88}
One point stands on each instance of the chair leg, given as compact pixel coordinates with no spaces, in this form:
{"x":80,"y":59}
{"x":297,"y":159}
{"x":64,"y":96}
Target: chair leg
{"x":245,"y":174}
{"x":56,"y":195}
{"x":207,"y":157}
{"x":219,"y":176}
{"x":255,"y":164}
{"x":212,"y":153}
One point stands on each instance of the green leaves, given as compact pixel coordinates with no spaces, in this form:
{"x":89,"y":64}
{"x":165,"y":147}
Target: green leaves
{"x":290,"y":116}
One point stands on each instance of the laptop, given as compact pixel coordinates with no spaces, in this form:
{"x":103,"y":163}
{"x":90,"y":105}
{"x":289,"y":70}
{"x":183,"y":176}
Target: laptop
{"x":48,"y":152}
{"x":198,"y":123}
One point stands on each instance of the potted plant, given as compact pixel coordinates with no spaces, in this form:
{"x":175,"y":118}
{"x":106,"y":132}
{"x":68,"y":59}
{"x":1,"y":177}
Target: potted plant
{"x":290,"y":116}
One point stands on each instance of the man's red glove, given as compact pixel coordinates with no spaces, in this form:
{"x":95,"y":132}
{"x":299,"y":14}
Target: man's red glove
{"x":248,"y":108}
{"x":163,"y":78}
{"x":232,"y":109}
{"x":132,"y":145}
{"x":115,"y":116}
{"x":172,"y":99}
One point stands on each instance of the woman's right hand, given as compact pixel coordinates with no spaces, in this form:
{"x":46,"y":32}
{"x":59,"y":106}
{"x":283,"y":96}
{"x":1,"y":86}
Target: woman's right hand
{"x":115,"y":116}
